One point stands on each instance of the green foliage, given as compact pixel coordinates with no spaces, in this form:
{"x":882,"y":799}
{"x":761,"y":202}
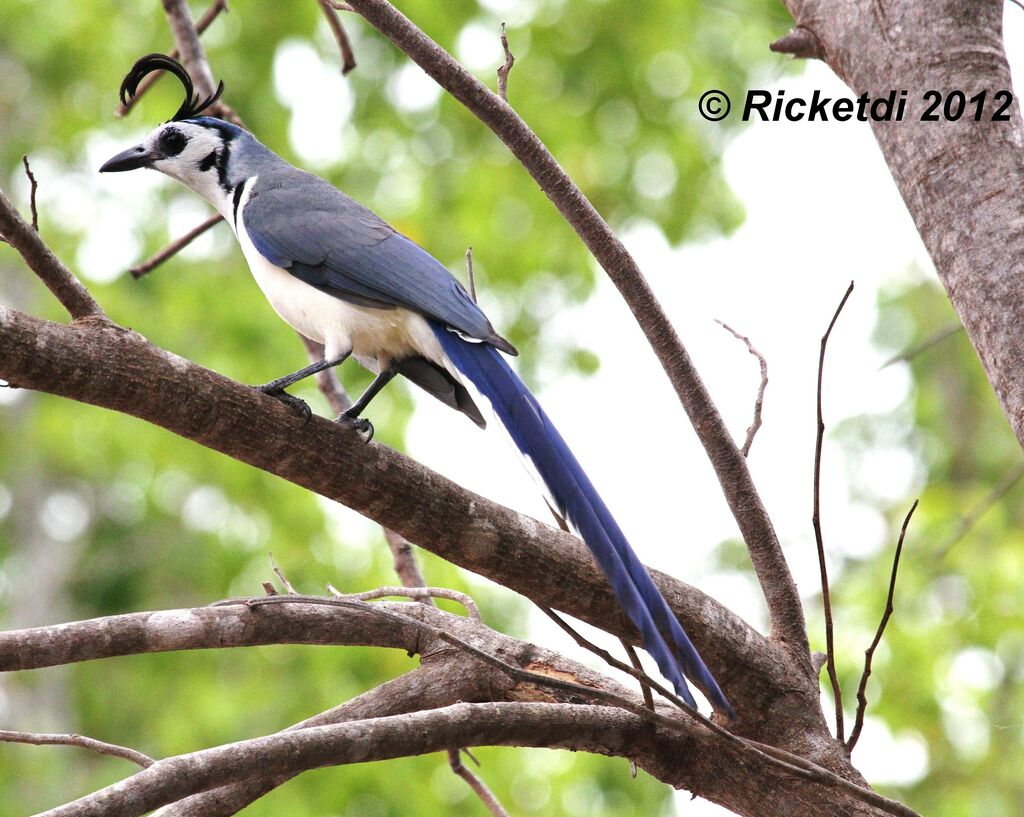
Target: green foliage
{"x":101,"y":514}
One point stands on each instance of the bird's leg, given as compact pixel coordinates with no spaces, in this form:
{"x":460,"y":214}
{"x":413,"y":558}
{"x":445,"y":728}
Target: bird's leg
{"x":351,"y":416}
{"x":276,"y":388}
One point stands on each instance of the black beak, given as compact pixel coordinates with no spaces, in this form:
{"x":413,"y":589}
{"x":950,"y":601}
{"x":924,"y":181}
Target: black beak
{"x":130,"y":159}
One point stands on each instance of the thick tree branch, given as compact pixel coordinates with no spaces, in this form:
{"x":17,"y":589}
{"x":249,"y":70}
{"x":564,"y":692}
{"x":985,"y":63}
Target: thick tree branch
{"x":59,"y":279}
{"x":962,"y":181}
{"x":431,"y":686}
{"x":595,"y":729}
{"x":118,"y":369}
{"x":783,"y":601}
{"x":581,"y":728}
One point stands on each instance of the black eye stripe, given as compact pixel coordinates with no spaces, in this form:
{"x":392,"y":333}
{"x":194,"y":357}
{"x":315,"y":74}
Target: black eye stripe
{"x":172,"y":142}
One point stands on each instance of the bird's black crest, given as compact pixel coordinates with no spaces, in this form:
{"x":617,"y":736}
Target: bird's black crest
{"x":191,"y":107}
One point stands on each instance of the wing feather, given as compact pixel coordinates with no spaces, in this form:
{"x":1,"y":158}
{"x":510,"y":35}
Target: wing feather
{"x":333,"y":243}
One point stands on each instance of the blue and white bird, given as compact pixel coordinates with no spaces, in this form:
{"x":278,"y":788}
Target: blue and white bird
{"x":340,"y":275}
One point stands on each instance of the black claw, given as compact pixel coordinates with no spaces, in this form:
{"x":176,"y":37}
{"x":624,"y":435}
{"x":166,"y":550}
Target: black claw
{"x":296,"y":404}
{"x":361,"y":425}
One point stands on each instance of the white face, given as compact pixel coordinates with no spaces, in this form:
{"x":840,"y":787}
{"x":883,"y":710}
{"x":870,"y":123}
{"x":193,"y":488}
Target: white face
{"x":191,"y":154}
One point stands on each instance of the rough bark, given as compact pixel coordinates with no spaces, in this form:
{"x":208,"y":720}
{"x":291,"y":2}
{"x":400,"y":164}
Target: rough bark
{"x":118,"y":369}
{"x":963,"y":181}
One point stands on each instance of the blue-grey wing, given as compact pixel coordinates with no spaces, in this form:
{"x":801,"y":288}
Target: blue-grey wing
{"x":323,"y":237}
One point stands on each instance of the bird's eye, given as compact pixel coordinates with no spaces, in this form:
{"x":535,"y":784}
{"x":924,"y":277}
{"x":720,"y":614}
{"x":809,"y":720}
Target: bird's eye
{"x":172,"y":142}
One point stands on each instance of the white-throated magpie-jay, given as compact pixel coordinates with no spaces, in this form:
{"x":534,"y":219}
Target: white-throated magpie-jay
{"x":342,"y":276}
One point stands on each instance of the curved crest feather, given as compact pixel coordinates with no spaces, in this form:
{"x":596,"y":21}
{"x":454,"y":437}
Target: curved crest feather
{"x":191,"y":107}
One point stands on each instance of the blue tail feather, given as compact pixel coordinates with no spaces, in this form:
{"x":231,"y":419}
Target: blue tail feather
{"x":577,"y":499}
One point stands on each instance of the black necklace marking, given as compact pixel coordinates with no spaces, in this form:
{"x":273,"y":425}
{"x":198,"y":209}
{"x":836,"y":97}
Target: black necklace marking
{"x":222,"y":167}
{"x":236,"y":199}
{"x":209,"y":160}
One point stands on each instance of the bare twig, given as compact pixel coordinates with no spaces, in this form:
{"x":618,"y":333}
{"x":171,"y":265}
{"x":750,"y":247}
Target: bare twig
{"x":476,"y":784}
{"x":783,"y":600}
{"x":339,"y":6}
{"x":470,"y":278}
{"x":869,"y":653}
{"x":93,"y":745}
{"x":417,"y":593}
{"x":348,"y":57}
{"x":173,"y":248}
{"x":826,"y":601}
{"x":506,"y":67}
{"x":646,"y":681}
{"x":73,"y":296}
{"x":759,"y":400}
{"x":800,"y":42}
{"x":201,"y":25}
{"x":33,"y":186}
{"x":280,"y":575}
{"x":970,"y":519}
{"x":924,"y":345}
{"x":645,"y":688}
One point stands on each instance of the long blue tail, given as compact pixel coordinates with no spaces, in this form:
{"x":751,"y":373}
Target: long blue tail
{"x":579,"y":502}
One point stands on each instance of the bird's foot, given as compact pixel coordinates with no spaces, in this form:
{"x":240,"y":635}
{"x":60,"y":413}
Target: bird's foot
{"x":296,"y":404}
{"x":361,"y":425}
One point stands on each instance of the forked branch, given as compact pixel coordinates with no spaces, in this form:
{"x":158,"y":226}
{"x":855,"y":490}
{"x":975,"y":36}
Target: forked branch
{"x":826,"y":600}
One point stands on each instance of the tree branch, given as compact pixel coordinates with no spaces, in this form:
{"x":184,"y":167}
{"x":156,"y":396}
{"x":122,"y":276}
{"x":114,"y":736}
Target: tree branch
{"x":148,"y":82}
{"x":93,"y":745}
{"x":173,"y":248}
{"x":862,"y":698}
{"x":118,"y":369}
{"x":491,"y":803}
{"x":348,"y":57}
{"x":586,"y":728}
{"x":962,"y":182}
{"x":755,"y":424}
{"x":971,"y":518}
{"x":783,"y":600}
{"x":826,"y":602}
{"x":33,"y":187}
{"x":430,"y":686}
{"x":534,"y":675}
{"x":40,"y":259}
{"x":506,"y":67}
{"x":595,"y":729}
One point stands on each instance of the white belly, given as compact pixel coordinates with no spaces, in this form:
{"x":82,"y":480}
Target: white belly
{"x":374,"y":337}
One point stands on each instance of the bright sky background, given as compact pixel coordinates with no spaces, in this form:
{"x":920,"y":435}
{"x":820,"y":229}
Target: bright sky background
{"x":821,"y":210}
